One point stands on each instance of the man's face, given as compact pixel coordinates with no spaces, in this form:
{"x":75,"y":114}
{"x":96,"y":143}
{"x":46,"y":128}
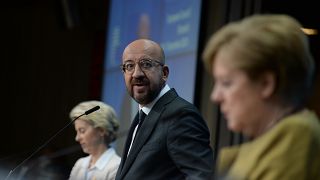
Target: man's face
{"x":148,"y":74}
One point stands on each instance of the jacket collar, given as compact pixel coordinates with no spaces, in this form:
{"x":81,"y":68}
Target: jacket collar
{"x":146,"y":129}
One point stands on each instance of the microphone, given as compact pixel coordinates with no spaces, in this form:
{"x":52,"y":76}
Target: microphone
{"x":50,"y":139}
{"x":92,"y":110}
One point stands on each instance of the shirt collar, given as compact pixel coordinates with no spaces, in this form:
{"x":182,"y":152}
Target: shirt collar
{"x":104,"y":159}
{"x":147,"y":108}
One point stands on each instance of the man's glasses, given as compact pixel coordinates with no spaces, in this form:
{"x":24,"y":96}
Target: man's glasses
{"x":144,"y":64}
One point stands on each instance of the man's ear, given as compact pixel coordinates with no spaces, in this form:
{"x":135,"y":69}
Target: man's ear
{"x":165,"y":72}
{"x":268,"y":84}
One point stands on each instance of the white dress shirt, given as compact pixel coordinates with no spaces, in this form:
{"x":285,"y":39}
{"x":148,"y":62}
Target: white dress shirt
{"x":147,"y":108}
{"x":105,"y":168}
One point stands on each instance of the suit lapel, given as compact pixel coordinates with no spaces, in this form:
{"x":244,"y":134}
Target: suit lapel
{"x":127,"y":145}
{"x":145,"y":131}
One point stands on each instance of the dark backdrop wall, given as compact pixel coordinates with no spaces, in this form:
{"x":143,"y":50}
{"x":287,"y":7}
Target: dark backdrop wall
{"x":51,"y":56}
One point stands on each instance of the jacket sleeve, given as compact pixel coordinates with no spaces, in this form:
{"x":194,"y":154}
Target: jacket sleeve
{"x":188,"y":145}
{"x":294,"y":155}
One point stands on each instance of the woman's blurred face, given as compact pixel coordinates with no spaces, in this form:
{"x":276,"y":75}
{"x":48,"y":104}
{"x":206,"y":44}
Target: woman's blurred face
{"x":239,"y":97}
{"x":88,"y":137}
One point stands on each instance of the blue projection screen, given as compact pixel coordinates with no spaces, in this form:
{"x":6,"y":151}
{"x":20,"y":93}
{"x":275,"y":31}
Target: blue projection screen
{"x":172,"y":23}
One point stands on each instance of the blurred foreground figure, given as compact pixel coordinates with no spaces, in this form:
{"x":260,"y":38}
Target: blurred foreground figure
{"x":95,"y":132}
{"x":263,"y":72}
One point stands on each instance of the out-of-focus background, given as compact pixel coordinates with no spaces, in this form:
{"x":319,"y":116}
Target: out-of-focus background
{"x":57,"y":53}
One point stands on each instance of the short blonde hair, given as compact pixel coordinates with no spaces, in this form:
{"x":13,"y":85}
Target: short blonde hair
{"x":104,"y":118}
{"x":268,"y":43}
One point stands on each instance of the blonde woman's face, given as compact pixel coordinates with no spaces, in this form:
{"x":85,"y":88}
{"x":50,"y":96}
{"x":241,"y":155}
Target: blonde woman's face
{"x":239,"y":97}
{"x":88,"y":137}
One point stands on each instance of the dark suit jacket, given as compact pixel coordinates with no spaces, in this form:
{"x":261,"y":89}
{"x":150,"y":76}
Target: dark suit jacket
{"x":172,"y":143}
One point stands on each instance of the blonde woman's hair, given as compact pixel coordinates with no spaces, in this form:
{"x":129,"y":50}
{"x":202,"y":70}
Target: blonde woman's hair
{"x":268,"y":43}
{"x":104,"y":118}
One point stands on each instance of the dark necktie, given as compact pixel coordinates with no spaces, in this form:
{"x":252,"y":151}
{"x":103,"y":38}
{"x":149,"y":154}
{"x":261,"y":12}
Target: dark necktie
{"x":135,"y":125}
{"x":142,"y":115}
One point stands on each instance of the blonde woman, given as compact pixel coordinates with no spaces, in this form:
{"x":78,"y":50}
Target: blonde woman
{"x":95,"y":132}
{"x":263,"y":71}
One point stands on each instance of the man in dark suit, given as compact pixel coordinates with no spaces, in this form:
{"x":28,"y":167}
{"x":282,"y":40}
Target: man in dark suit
{"x":172,"y":141}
